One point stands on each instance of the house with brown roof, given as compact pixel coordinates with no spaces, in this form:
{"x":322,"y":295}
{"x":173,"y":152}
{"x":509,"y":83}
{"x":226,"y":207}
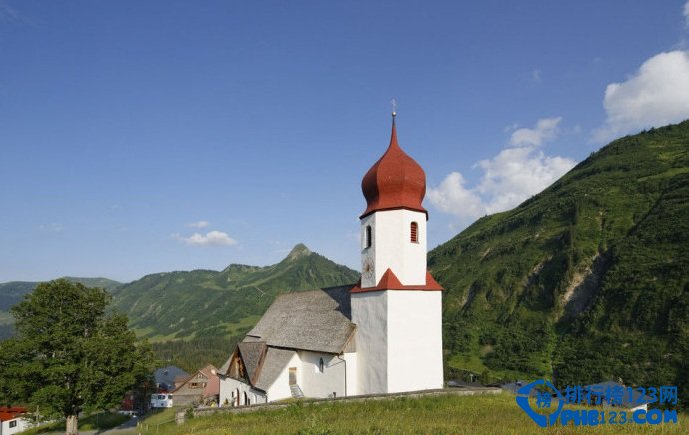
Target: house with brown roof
{"x":200,"y":387}
{"x":380,"y":335}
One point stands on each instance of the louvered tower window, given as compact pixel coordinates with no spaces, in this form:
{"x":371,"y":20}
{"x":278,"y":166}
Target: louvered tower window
{"x":368,"y":236}
{"x":414,"y":232}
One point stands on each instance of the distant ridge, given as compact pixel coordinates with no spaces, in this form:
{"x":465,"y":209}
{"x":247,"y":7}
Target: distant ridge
{"x":207,"y":303}
{"x":201,"y":303}
{"x":105,"y":283}
{"x":298,"y":251}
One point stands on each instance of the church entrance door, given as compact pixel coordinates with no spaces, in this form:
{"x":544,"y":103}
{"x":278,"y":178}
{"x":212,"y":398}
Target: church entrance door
{"x":293,"y":376}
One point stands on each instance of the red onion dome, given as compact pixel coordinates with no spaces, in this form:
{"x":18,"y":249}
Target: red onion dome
{"x":395,"y":181}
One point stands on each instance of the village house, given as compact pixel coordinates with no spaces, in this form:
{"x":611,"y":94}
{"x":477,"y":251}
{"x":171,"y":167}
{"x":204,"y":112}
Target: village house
{"x":12,"y":420}
{"x":168,"y":378}
{"x":380,"y":335}
{"x":200,"y":387}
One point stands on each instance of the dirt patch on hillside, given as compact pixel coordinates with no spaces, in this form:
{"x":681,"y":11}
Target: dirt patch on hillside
{"x":584,"y":287}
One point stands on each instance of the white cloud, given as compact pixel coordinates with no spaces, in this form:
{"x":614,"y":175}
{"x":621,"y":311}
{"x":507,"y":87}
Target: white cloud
{"x":199,"y":224}
{"x":657,"y":94}
{"x":515,"y":174}
{"x":509,"y":178}
{"x":451,"y":196}
{"x":546,"y":129}
{"x":211,"y":238}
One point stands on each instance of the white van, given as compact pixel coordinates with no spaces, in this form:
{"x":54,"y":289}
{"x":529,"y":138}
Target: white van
{"x":161,"y":400}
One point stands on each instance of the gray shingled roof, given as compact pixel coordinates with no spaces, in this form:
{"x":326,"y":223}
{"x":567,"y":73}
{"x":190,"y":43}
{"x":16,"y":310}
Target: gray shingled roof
{"x":317,"y":320}
{"x":251,"y":355}
{"x":166,"y":376}
{"x":273,"y":364}
{"x":226,"y":366}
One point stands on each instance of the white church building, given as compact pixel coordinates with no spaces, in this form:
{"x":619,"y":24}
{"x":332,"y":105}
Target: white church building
{"x":381,"y":335}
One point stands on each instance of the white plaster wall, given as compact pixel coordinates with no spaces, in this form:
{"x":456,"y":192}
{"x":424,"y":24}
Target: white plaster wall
{"x":415,"y":345}
{"x":279,"y":389}
{"x":22,"y":425}
{"x":321,"y":385}
{"x":259,"y":397}
{"x":369,"y":313}
{"x":352,"y":359}
{"x":392,"y":248}
{"x":228,"y":385}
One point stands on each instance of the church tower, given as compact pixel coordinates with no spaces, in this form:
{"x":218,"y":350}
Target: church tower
{"x":397,"y":307}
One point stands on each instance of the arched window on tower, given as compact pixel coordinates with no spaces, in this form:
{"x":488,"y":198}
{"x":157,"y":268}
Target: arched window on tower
{"x":369,"y":238}
{"x":414,"y":232}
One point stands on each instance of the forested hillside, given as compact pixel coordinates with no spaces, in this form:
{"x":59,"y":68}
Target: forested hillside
{"x":193,"y":318}
{"x":586,"y":281}
{"x":203,"y":303}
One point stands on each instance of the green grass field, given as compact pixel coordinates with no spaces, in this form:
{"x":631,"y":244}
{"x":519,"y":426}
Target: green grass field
{"x":483,"y":414}
{"x":98,"y":421}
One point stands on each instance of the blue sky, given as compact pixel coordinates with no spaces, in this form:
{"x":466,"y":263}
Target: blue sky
{"x":149,"y":136}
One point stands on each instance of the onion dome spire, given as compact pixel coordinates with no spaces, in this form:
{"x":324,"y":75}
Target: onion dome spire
{"x":395,"y":181}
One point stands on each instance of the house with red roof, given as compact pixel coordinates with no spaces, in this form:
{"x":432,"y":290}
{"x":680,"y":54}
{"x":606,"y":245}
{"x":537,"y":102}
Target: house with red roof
{"x":12,"y":420}
{"x":380,"y":335}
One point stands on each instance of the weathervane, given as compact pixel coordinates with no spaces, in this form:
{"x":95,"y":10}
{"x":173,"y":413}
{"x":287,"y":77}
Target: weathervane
{"x":394,"y":107}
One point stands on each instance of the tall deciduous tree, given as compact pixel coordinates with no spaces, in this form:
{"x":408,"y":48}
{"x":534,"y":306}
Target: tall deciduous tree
{"x":70,"y":354}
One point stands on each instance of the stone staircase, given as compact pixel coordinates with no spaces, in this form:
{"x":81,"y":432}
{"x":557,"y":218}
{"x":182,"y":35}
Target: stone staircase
{"x":296,"y":391}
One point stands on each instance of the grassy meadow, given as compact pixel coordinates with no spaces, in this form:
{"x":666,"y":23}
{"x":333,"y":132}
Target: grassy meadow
{"x":98,"y":422}
{"x":482,"y":414}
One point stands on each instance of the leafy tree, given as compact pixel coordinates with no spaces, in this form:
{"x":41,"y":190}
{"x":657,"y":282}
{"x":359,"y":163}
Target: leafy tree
{"x":70,"y":355}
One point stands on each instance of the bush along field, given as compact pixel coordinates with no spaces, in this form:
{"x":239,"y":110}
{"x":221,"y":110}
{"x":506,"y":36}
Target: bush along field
{"x":481,"y":414}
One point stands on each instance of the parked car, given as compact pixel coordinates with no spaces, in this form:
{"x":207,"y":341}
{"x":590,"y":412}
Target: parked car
{"x":161,"y":400}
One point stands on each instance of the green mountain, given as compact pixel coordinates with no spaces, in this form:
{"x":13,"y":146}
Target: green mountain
{"x":206,"y":303}
{"x":108,"y":284}
{"x":586,"y":281}
{"x":11,"y":293}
